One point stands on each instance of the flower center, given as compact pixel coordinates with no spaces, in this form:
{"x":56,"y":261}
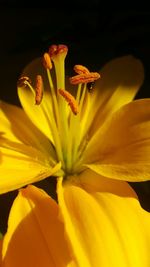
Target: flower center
{"x":68,"y":111}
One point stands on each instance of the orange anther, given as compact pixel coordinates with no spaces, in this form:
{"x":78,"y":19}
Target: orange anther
{"x":38,"y":90}
{"x":81,"y":69}
{"x":70,"y":100}
{"x":85,"y":78}
{"x":47,"y":61}
{"x":23,"y":80}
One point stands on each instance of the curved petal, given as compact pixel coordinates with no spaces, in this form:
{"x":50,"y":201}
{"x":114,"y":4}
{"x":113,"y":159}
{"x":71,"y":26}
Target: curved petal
{"x":105,"y":222}
{"x":16,"y":127}
{"x":35,"y":235}
{"x":120,"y":80}
{"x":121,"y":148}
{"x":18,"y":169}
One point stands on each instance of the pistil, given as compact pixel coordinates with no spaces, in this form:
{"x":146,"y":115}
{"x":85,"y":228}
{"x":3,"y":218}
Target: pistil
{"x":58,"y":54}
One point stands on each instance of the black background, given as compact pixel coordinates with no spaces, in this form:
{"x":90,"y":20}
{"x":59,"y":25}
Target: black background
{"x":94,"y":36}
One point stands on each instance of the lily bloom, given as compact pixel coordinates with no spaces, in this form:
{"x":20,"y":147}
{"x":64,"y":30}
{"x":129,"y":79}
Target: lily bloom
{"x":66,"y":127}
{"x":90,"y":137}
{"x":97,"y":222}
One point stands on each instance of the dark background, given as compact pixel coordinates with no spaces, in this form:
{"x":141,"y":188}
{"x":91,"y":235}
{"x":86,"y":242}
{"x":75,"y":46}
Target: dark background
{"x":94,"y":36}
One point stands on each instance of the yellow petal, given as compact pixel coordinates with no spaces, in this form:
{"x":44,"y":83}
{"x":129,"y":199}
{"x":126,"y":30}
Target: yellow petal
{"x":18,"y":170}
{"x":35,"y":235}
{"x":41,"y":114}
{"x":121,"y":148}
{"x":26,"y":154}
{"x":120,"y":80}
{"x":16,"y":127}
{"x":105,"y":222}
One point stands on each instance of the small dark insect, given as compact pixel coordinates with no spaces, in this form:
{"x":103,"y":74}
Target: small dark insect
{"x":90,"y":86}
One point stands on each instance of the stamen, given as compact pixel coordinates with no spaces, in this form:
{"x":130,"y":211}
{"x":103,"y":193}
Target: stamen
{"x":38,"y":90}
{"x":23,"y":81}
{"x":85,"y":78}
{"x":47,"y":61}
{"x":81,"y":69}
{"x":70,"y":100}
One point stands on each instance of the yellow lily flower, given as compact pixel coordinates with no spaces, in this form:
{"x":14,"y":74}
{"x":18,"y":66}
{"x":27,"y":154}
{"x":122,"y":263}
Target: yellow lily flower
{"x":90,"y":138}
{"x":98,"y":222}
{"x":62,"y":133}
